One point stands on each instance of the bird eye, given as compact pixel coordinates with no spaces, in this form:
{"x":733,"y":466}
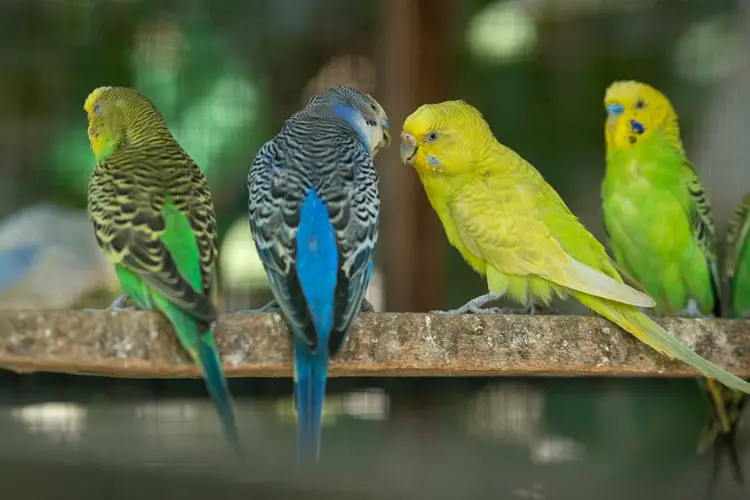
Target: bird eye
{"x":374,"y":108}
{"x":432,"y":136}
{"x":640,"y":104}
{"x":98,"y":109}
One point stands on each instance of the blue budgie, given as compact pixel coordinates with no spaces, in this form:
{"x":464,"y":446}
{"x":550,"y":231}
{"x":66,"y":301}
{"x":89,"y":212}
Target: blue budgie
{"x":314,"y":211}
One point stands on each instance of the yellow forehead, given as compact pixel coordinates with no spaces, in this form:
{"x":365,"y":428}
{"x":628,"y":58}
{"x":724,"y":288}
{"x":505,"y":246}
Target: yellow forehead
{"x":92,"y":98}
{"x":629,"y":92}
{"x":419,"y":121}
{"x":429,"y":117}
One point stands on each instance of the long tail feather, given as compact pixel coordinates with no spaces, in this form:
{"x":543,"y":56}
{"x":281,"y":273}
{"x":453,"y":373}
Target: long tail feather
{"x":216,"y":383}
{"x":647,"y":331}
{"x":310,"y":376}
{"x":202,"y":347}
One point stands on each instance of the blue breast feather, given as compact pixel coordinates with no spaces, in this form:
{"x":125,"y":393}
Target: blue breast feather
{"x":317,"y":262}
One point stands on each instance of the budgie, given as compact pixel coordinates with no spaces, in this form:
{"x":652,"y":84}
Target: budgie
{"x":659,"y":222}
{"x":153,"y":216}
{"x":737,"y":271}
{"x":314,"y":213}
{"x":511,"y":226}
{"x":49,"y":259}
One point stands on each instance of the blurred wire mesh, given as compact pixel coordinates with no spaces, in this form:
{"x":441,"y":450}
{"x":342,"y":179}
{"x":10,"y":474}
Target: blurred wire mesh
{"x":225,"y":74}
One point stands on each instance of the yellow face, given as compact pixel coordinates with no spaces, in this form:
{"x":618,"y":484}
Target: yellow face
{"x":102,"y":114}
{"x":441,"y":138}
{"x":634,"y":112}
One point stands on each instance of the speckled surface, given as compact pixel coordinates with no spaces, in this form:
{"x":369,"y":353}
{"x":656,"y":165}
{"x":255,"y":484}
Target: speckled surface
{"x":141,"y":344}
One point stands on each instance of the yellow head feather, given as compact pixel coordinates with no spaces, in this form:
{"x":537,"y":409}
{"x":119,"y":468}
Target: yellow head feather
{"x":437,"y":138}
{"x":637,"y":111}
{"x":117,"y":115}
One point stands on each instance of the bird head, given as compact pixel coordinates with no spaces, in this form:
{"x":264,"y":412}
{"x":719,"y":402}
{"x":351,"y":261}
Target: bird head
{"x":635,"y":111}
{"x":448,"y":138}
{"x":361,"y":111}
{"x":117,"y":115}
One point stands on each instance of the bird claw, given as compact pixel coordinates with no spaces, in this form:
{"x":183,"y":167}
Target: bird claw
{"x":475,"y":306}
{"x":470,"y":308}
{"x":271,"y":307}
{"x":120,"y":305}
{"x":121,"y":309}
{"x":486,"y":310}
{"x":529,"y":309}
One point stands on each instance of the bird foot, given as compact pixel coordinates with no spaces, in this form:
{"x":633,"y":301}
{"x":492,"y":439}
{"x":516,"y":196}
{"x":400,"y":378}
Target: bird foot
{"x":271,"y":307}
{"x":692,"y":310}
{"x":534,"y":310}
{"x":120,"y":305}
{"x":475,"y":306}
{"x":529,"y":309}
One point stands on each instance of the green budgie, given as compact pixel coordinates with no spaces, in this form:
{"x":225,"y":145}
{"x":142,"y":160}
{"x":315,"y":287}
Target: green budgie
{"x":153,"y":217}
{"x":659,"y":223}
{"x":737,"y":270}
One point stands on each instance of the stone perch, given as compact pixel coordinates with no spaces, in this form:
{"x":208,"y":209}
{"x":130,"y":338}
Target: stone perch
{"x":141,"y":344}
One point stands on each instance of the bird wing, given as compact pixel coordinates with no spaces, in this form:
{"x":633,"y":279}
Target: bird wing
{"x":130,"y":206}
{"x":355,"y":213}
{"x":275,"y":194}
{"x":703,"y":227}
{"x":348,"y":184}
{"x":522,"y":227}
{"x":737,"y":236}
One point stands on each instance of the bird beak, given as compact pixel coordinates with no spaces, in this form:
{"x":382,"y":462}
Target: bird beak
{"x":386,"y":134}
{"x":408,"y":148}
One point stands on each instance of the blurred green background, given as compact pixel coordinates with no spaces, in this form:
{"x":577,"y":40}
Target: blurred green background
{"x":225,"y":74}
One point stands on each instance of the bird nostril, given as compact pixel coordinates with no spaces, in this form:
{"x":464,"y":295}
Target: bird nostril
{"x":408,"y":140}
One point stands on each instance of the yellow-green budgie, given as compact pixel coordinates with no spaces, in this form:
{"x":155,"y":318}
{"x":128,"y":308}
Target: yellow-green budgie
{"x":737,"y":272}
{"x":511,"y":226}
{"x":153,"y":217}
{"x":659,"y":224}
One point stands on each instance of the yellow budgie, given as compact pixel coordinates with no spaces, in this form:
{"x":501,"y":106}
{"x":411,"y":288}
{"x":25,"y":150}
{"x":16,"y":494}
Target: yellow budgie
{"x":512,"y":227}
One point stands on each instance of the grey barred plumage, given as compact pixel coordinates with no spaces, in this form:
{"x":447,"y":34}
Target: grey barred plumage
{"x":316,"y":149}
{"x":314,"y":215}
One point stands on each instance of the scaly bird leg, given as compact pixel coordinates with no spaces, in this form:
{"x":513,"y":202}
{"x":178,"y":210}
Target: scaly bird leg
{"x":692,"y":311}
{"x":530,"y":308}
{"x":120,"y":304}
{"x":475,"y":306}
{"x":271,"y":307}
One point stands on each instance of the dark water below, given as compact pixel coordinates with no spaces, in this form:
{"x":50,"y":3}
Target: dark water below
{"x":97,"y":438}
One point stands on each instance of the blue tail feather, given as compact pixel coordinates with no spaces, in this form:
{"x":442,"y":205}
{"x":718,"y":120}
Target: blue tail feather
{"x":311,"y":372}
{"x":317,"y":263}
{"x":217,"y":386}
{"x":317,"y":271}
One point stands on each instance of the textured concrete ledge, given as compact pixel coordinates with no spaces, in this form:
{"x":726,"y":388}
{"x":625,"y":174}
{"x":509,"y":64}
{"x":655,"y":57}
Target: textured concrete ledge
{"x":141,"y":344}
